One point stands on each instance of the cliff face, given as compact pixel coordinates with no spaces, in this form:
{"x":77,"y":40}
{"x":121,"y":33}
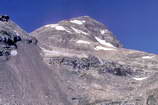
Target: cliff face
{"x":74,"y":62}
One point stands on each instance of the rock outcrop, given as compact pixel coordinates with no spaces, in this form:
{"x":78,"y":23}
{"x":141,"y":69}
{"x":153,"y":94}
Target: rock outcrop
{"x":74,"y":62}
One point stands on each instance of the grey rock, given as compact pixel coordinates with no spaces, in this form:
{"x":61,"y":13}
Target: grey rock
{"x":4,"y":18}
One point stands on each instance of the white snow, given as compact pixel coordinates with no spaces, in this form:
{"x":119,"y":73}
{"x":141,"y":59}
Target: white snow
{"x":147,"y":57}
{"x":103,"y":48}
{"x":104,"y":31}
{"x":16,"y":33}
{"x":13,"y":52}
{"x":57,"y":27}
{"x":51,"y":25}
{"x":83,"y":42}
{"x":103,"y":42}
{"x":79,"y":22}
{"x":79,"y":31}
{"x":60,"y":28}
{"x":83,"y":21}
{"x":140,"y":79}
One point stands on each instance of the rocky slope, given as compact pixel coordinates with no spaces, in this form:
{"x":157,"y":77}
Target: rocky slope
{"x":78,"y":62}
{"x":24,"y":78}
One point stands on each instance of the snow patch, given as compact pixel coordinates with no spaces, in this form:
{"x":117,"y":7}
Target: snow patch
{"x":77,"y":22}
{"x":140,"y":79}
{"x":103,"y":42}
{"x":51,"y":25}
{"x":79,"y":31}
{"x":16,"y":33}
{"x":104,"y":31}
{"x":147,"y":57}
{"x":103,"y":48}
{"x":83,"y":21}
{"x":60,"y":28}
{"x":83,"y":42}
{"x":13,"y":52}
{"x":57,"y":27}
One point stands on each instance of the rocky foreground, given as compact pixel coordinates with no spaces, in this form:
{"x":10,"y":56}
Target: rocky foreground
{"x":74,"y":62}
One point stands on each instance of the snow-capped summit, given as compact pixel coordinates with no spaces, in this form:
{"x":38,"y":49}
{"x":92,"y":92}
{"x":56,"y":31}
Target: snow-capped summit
{"x":67,"y":33}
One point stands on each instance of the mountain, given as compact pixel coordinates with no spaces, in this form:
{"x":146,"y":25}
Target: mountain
{"x":77,"y":61}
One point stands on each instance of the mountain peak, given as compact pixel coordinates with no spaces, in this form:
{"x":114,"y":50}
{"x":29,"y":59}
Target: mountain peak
{"x":68,"y":33}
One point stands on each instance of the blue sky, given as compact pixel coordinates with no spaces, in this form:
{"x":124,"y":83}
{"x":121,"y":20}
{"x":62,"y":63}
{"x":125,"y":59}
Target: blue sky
{"x":134,"y":22}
